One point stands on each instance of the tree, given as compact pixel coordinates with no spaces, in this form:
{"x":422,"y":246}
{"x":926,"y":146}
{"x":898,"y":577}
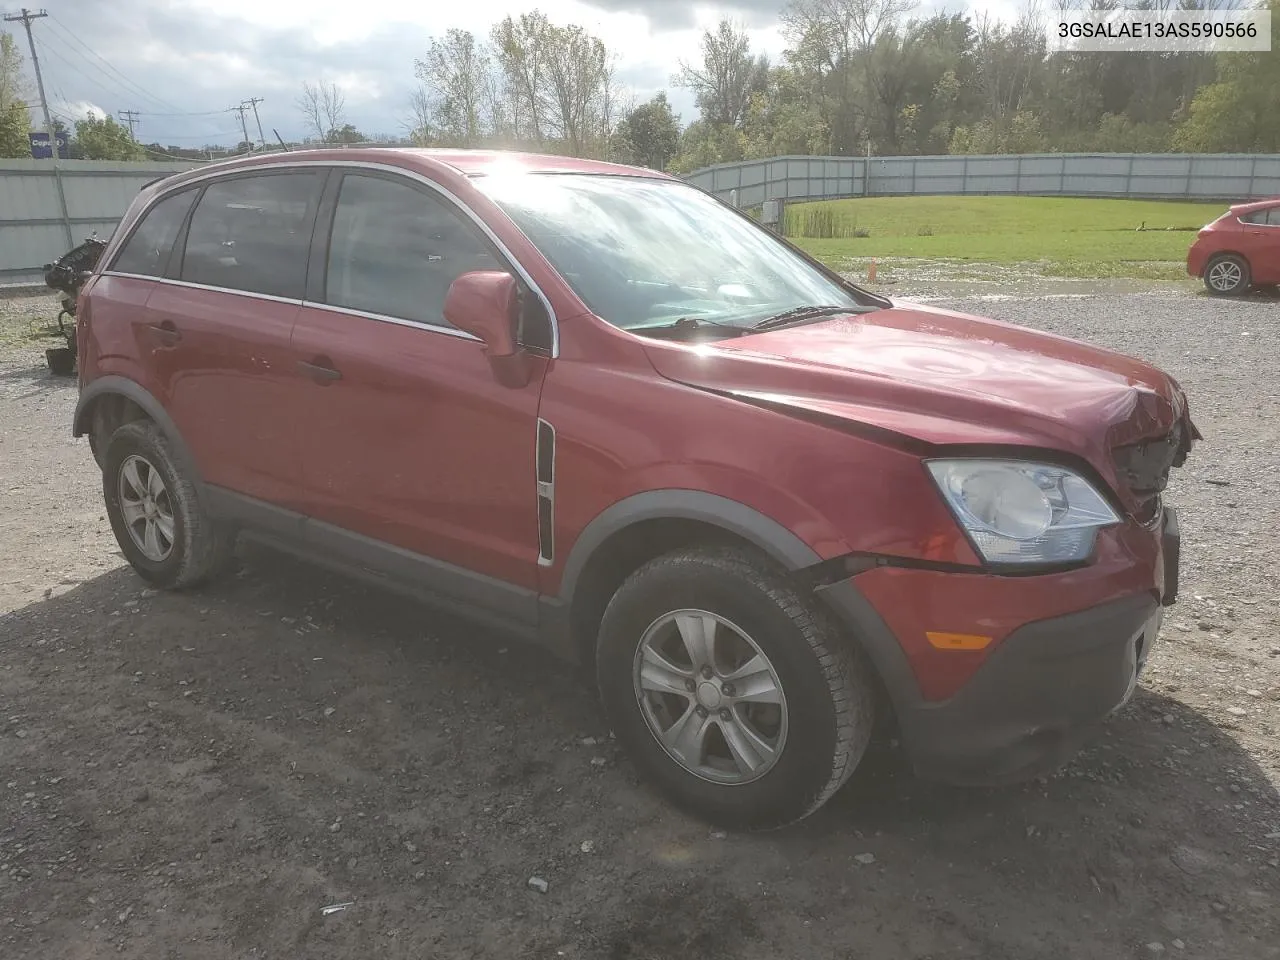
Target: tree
{"x":650,"y":134}
{"x":104,"y":139}
{"x":347,"y":133}
{"x":728,"y":76}
{"x":554,"y":87}
{"x":323,"y":107}
{"x":703,"y":144}
{"x":782,"y":119}
{"x":421,"y":123}
{"x":456,"y":76}
{"x":15,"y":121}
{"x":1239,"y":112}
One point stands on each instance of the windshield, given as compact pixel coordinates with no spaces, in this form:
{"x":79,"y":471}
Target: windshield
{"x":644,"y":254}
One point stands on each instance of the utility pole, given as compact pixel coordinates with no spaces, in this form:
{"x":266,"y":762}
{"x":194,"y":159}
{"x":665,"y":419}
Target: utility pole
{"x":253,"y":102}
{"x":131,"y":118}
{"x":26,"y":16}
{"x":241,"y":110}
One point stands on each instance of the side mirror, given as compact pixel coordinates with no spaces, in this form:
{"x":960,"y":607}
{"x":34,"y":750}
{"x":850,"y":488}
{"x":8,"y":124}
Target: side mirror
{"x":485,"y":303}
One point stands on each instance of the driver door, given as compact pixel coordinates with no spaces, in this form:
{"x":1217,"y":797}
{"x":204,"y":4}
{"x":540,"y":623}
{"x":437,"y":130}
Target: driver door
{"x":410,"y":448}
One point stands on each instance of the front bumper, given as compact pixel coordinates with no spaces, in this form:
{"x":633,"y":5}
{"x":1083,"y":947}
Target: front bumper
{"x":1023,"y":707}
{"x":1035,"y":699}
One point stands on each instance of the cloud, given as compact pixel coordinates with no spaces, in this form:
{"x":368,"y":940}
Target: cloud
{"x":681,"y":14}
{"x":183,"y":63}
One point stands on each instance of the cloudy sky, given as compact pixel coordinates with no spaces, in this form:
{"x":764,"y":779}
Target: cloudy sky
{"x":181,"y":63}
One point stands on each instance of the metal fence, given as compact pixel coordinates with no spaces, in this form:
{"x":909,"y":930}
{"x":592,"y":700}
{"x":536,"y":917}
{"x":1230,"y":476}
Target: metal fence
{"x":1174,"y":176}
{"x":46,"y":210}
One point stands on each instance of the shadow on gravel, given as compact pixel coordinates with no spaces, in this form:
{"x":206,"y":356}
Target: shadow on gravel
{"x":38,"y":376}
{"x":212,"y":768}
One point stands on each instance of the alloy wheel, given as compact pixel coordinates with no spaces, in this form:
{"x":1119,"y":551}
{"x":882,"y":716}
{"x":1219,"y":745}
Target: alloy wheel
{"x":710,"y":696}
{"x":147,"y":508}
{"x":1225,"y":275}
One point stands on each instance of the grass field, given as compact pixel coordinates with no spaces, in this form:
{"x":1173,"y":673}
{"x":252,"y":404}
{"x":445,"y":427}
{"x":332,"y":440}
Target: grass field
{"x":1060,"y":236}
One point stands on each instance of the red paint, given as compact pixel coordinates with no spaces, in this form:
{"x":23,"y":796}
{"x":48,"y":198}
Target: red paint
{"x":1259,"y":244}
{"x":424,"y":443}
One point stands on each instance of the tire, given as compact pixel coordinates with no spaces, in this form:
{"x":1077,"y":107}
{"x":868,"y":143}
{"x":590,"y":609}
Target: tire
{"x":1227,"y":275}
{"x":818,"y":728}
{"x":178,"y":544}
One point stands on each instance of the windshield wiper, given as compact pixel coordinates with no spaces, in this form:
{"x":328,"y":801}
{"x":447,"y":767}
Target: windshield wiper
{"x":800,"y":314}
{"x":687,"y":325}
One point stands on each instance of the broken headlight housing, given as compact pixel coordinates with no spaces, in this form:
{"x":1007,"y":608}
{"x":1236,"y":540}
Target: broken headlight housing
{"x":1017,"y":512}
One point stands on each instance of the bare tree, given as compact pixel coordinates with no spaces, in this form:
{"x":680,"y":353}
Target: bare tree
{"x":421,"y":115}
{"x":728,"y":75}
{"x":324,"y":107}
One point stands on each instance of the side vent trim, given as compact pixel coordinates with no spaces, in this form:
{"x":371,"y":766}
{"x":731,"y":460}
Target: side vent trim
{"x":546,"y":488}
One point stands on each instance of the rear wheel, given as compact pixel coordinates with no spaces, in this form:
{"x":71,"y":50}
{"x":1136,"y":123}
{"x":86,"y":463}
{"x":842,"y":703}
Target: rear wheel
{"x":156,"y":513}
{"x":731,"y":691}
{"x":1227,"y":275}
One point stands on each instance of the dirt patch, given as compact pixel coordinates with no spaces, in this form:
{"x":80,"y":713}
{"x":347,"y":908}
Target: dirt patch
{"x":198,"y":775}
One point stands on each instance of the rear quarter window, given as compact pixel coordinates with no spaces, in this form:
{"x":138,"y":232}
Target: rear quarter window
{"x":147,"y":250}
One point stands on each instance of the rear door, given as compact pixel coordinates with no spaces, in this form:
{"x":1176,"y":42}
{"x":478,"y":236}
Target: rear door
{"x":125,"y":339}
{"x":1266,"y":264}
{"x":228,"y":307}
{"x":407,"y":439}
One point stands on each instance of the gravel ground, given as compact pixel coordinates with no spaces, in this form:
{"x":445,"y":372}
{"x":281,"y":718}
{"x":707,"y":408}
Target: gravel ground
{"x":198,"y":775}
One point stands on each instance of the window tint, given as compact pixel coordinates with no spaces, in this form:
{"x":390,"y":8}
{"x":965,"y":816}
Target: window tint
{"x":395,"y":249}
{"x":252,"y":233}
{"x":1257,"y":216}
{"x":1273,"y":216}
{"x":147,"y":251}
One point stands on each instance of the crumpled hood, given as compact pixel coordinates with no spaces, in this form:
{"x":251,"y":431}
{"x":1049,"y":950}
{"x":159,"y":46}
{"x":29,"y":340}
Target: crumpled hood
{"x":940,"y":377}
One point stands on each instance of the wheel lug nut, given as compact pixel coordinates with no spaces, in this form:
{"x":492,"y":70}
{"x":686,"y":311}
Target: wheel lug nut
{"x":728,"y":689}
{"x":702,"y":711}
{"x":706,"y":673}
{"x":690,"y":685}
{"x":725,"y":714}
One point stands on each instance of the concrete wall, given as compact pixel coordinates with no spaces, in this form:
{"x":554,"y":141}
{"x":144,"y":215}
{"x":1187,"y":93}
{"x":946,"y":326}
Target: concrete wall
{"x":1177,"y":176}
{"x":33,"y":228}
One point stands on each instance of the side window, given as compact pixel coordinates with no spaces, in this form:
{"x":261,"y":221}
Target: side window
{"x":253,"y":233}
{"x":147,"y":250}
{"x":395,"y":249}
{"x":1273,"y":217}
{"x":1257,"y":216}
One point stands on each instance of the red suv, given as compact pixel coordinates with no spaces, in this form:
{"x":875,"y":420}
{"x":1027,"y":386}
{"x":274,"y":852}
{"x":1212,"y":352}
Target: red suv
{"x":595,"y":406}
{"x":1239,"y":250}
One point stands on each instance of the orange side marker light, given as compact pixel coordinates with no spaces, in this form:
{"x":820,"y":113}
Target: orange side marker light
{"x":957,"y":641}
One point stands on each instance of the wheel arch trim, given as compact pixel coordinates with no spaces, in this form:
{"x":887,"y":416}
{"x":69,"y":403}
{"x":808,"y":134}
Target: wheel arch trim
{"x":138,"y":394}
{"x":842,"y":599}
{"x":677,"y":504}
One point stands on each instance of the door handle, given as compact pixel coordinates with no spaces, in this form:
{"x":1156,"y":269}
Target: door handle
{"x":320,"y":370}
{"x":166,"y":332}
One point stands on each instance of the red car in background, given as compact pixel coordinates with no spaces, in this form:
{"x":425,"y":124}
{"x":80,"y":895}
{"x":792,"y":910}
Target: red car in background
{"x":1239,"y":250}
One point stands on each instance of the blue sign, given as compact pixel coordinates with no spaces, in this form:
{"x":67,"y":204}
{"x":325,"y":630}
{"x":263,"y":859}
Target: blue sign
{"x":41,"y":149}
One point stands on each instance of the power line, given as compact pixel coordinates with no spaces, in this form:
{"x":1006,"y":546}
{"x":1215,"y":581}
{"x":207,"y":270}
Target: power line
{"x":186,"y":113}
{"x":62,"y":28}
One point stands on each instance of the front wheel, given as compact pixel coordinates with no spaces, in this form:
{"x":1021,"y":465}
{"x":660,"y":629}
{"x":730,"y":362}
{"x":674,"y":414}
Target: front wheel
{"x":734,"y":693}
{"x":1227,"y":275}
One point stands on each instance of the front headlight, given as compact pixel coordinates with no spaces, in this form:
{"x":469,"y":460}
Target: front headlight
{"x":1024,"y":513}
